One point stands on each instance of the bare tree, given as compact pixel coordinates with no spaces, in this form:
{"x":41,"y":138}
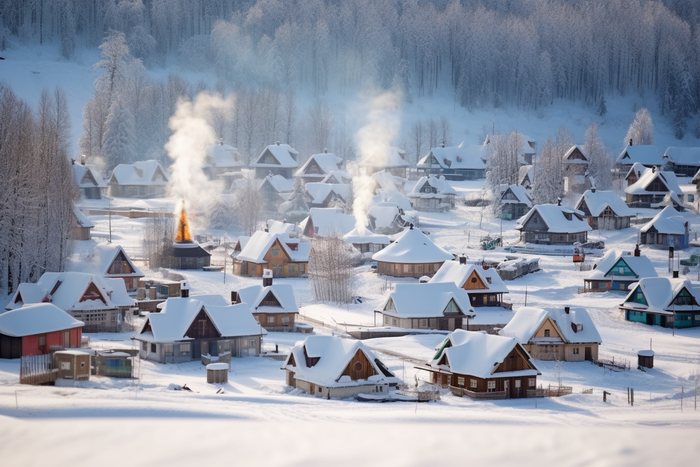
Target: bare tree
{"x":331,"y":271}
{"x":249,"y":205}
{"x":158,"y":238}
{"x":445,"y":131}
{"x":418,"y":134}
{"x":432,"y":133}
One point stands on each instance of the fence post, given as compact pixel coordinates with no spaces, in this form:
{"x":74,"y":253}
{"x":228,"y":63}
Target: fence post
{"x":632,"y":396}
{"x":681,"y":398}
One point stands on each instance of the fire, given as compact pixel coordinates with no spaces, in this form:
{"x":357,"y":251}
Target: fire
{"x":183,"y":230}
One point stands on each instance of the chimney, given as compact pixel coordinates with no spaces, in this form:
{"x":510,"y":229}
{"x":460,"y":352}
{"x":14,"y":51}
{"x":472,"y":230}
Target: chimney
{"x":82,"y":159}
{"x":267,"y":277}
{"x":567,"y":309}
{"x":630,"y":141}
{"x":443,"y":144}
{"x":592,"y":189}
{"x":234,"y":297}
{"x":184,"y":289}
{"x":559,"y":201}
{"x":277,"y":143}
{"x":410,"y":226}
{"x":462,"y":259}
{"x":325,"y":150}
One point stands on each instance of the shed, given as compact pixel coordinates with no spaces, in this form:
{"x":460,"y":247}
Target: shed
{"x":217,"y":373}
{"x":72,"y":364}
{"x":645,"y":358}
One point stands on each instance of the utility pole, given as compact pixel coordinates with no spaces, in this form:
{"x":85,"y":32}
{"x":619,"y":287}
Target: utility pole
{"x":109,"y":205}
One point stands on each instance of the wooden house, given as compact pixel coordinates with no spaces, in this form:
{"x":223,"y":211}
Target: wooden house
{"x":146,"y":179}
{"x":82,"y":226}
{"x":669,"y":303}
{"x":515,"y":201}
{"x":667,"y":228}
{"x":553,"y":224}
{"x":442,"y":306}
{"x":274,"y":190}
{"x":618,"y":271}
{"x":323,"y":222}
{"x":576,"y":170}
{"x":318,"y":167}
{"x":387,"y":158}
{"x":484,"y":286}
{"x":645,"y":154}
{"x":463,"y":162}
{"x":276,"y":159}
{"x":323,"y":195}
{"x":89,"y":181}
{"x":604,"y":210}
{"x":332,"y":367}
{"x":563,"y":334}
{"x":265,"y":250}
{"x":696,"y":181}
{"x":684,"y":162}
{"x":654,"y":189}
{"x":273,"y":305}
{"x":388,"y":217}
{"x":483,"y":366}
{"x":366,"y":242}
{"x":634,"y":173}
{"x":100,"y":303}
{"x":413,"y":254}
{"x":111,"y":261}
{"x":188,"y":328}
{"x":222,"y":160}
{"x":37,"y":329}
{"x":432,"y":194}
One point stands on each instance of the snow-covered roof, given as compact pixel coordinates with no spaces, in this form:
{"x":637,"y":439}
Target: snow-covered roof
{"x":569,"y":160}
{"x":326,"y":162}
{"x":683,"y":156}
{"x":576,"y":326}
{"x":413,"y":246}
{"x":425,"y":300}
{"x":647,"y":155}
{"x":480,"y":354}
{"x":101,"y":259}
{"x":441,"y":186}
{"x":37,"y":318}
{"x":260,"y":243}
{"x":86,"y":176}
{"x":640,"y":187}
{"x":454,"y":272}
{"x":388,"y":181}
{"x":223,"y":156}
{"x":526,"y":172}
{"x":668,"y":221}
{"x":660,"y":292}
{"x":254,"y":295}
{"x":279,"y":183}
{"x":464,"y":156}
{"x":330,"y":220}
{"x":282,"y":153}
{"x":337,"y":176}
{"x":388,"y":157}
{"x":520,"y":192}
{"x":384,"y":214}
{"x":319,"y":192}
{"x":334,"y":354}
{"x":636,"y":169}
{"x":555,"y":217}
{"x":279,"y":227}
{"x":598,"y":200}
{"x":640,"y":265}
{"x":177,"y":314}
{"x":365,"y":235}
{"x":82,"y":219}
{"x":148,"y":173}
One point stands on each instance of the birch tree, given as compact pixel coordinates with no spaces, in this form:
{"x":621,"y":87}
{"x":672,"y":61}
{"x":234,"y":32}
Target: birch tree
{"x":331,"y":272}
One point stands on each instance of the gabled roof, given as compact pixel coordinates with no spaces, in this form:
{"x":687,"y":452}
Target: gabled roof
{"x":637,"y":170}
{"x":282,"y":153}
{"x":333,"y":355}
{"x":683,"y":156}
{"x":255,"y":294}
{"x":388,"y":157}
{"x":647,"y":155}
{"x":660,"y":292}
{"x":554,"y":216}
{"x":223,"y":156}
{"x":37,"y":318}
{"x":480,"y":354}
{"x":82,"y":219}
{"x":575,"y":327}
{"x":519,"y":191}
{"x":526,"y":173}
{"x":337,"y":176}
{"x":365,"y":235}
{"x":319,"y":192}
{"x":101,"y":259}
{"x":388,"y":181}
{"x":177,"y":314}
{"x":86,"y":176}
{"x":279,"y":227}
{"x":384,"y":215}
{"x":260,"y":243}
{"x":454,"y":272}
{"x":464,"y":156}
{"x":668,"y":221}
{"x":278,"y":183}
{"x":326,"y":162}
{"x":572,"y":156}
{"x":640,"y":265}
{"x":147,"y":173}
{"x":413,"y":246}
{"x":330,"y":220}
{"x":640,"y":187}
{"x":441,"y":185}
{"x":429,"y":300}
{"x":598,"y":200}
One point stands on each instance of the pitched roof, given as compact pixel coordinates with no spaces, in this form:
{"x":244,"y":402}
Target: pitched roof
{"x":82,"y":219}
{"x":428,"y":300}
{"x":413,"y":246}
{"x":329,"y":220}
{"x":644,"y":154}
{"x":319,"y":192}
{"x":683,"y":156}
{"x":37,"y":318}
{"x":660,"y":292}
{"x":598,"y":200}
{"x":282,"y":153}
{"x":223,"y":156}
{"x":177,"y":314}
{"x":149,"y":173}
{"x":388,"y":181}
{"x":334,"y":354}
{"x":101,"y":259}
{"x":255,"y":294}
{"x":519,"y":191}
{"x":260,"y":243}
{"x":575,"y":327}
{"x":555,"y":218}
{"x":640,"y":265}
{"x":326,"y":162}
{"x":366,"y":236}
{"x":86,"y":176}
{"x":480,"y":354}
{"x":279,"y":183}
{"x":668,"y":221}
{"x":384,"y":214}
{"x":640,"y":187}
{"x":454,"y":272}
{"x":464,"y":156}
{"x":568,"y":156}
{"x":441,"y":185}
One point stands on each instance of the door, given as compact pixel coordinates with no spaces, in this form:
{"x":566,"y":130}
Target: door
{"x":277,"y":270}
{"x":506,"y":387}
{"x":650,"y":318}
{"x":66,"y":339}
{"x":517,"y":388}
{"x":589,"y":356}
{"x":203,"y":348}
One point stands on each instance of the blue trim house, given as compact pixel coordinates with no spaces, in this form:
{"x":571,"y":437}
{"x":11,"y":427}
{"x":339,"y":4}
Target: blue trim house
{"x":663,"y":302}
{"x":618,"y":270}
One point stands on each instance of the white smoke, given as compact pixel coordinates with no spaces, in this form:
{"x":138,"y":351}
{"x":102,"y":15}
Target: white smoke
{"x":192,"y":134}
{"x":373,"y":140}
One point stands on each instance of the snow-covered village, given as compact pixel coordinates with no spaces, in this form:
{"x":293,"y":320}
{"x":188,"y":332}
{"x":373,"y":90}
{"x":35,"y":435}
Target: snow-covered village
{"x":430,"y":230}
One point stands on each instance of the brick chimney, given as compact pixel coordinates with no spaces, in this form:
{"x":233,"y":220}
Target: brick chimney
{"x":267,"y":277}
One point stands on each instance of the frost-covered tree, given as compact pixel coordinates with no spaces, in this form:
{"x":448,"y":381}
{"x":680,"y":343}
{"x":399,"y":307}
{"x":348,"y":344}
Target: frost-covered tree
{"x":249,"y":206}
{"x":331,"y":272}
{"x":599,"y":161}
{"x":548,"y":182}
{"x":602,"y":106}
{"x":118,"y":145}
{"x":641,"y":130}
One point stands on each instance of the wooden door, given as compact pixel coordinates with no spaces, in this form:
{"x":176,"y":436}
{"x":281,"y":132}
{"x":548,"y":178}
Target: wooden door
{"x":203,"y":348}
{"x":588,"y":353}
{"x":277,"y":270}
{"x":506,"y":387}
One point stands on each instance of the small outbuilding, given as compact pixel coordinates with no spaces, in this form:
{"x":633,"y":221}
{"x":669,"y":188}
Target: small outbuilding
{"x":217,"y":373}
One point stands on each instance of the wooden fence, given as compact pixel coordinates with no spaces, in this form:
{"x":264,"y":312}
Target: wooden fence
{"x":37,"y":369}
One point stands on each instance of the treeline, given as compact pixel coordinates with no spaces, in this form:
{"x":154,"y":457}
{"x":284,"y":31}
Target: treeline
{"x":37,"y":189}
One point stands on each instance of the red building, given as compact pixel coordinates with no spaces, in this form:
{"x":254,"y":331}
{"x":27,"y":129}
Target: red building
{"x":37,"y":329}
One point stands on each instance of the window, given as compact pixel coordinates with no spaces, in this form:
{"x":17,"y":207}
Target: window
{"x":285,"y":319}
{"x":144,"y":346}
{"x":424,"y":323}
{"x":460,"y":381}
{"x":697,"y":317}
{"x":185,"y":348}
{"x":517,"y":384}
{"x":472,"y":383}
{"x":546,"y":333}
{"x":224,"y":346}
{"x":406,"y":268}
{"x":42,"y":340}
{"x":576,"y":351}
{"x":491,"y":386}
{"x":168,"y":349}
{"x":357,"y":366}
{"x":271,"y":319}
{"x":531,"y":383}
{"x":154,"y":348}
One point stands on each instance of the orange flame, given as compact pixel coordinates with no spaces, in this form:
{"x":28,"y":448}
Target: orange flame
{"x":183,"y":230}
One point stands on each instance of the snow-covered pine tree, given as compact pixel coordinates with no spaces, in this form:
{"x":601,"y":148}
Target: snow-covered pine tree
{"x":118,"y":145}
{"x":641,"y":130}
